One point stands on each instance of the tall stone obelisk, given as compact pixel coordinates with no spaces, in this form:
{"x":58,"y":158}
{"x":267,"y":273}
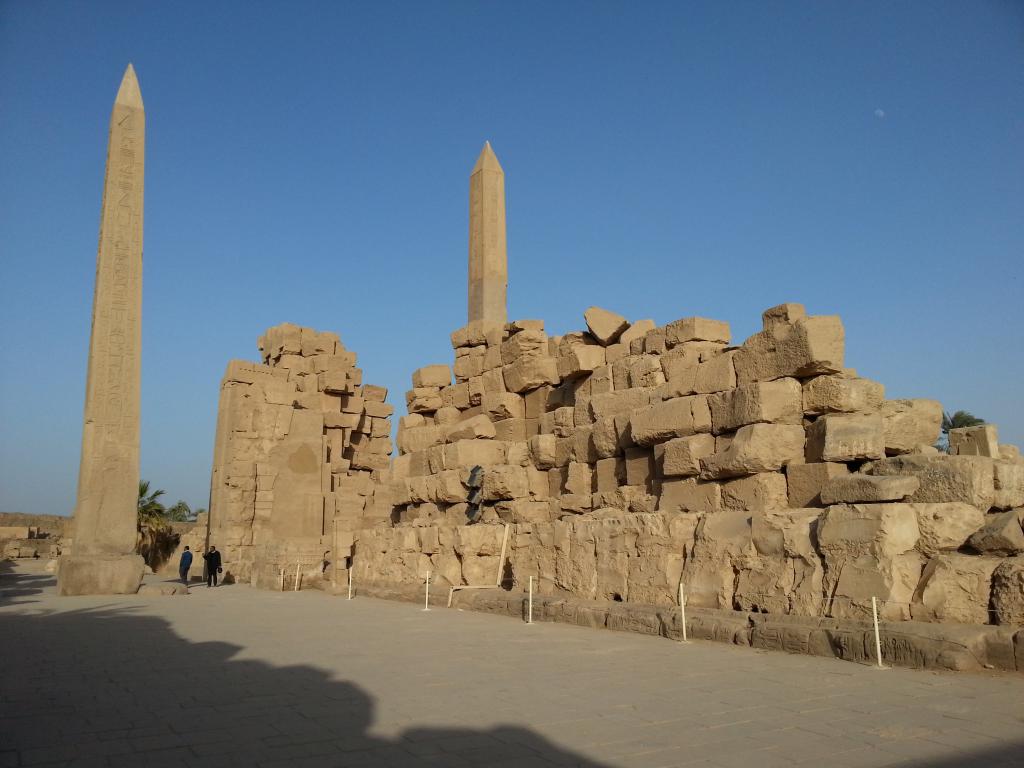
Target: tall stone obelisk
{"x":488,"y":249}
{"x":102,"y":558}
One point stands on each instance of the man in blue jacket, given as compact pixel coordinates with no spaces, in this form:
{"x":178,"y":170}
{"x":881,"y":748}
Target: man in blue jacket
{"x":184,"y":564}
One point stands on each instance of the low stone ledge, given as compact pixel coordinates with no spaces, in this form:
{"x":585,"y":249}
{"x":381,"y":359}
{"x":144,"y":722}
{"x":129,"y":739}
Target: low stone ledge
{"x":956,"y":647}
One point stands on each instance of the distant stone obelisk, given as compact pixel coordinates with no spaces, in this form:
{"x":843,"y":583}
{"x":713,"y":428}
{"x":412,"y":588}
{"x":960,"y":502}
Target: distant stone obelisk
{"x":102,"y":558}
{"x":488,"y":249}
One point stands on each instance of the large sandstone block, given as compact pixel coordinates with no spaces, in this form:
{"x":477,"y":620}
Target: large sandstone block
{"x":969,"y":479}
{"x":716,"y":374}
{"x":756,"y":448}
{"x":1008,"y":478}
{"x":677,"y":417}
{"x":806,"y":481}
{"x":982,"y":440}
{"x":765,"y":490}
{"x":503,"y":405}
{"x":723,"y":545}
{"x":525,"y":344}
{"x":477,"y":332}
{"x":580,"y":360}
{"x":100,"y":575}
{"x":845,"y":437}
{"x":786,"y":575}
{"x":910,"y":423}
{"x":696,"y":329}
{"x":770,"y":401}
{"x":860,"y":488}
{"x":681,"y":457}
{"x":530,"y":373}
{"x":432,"y":376}
{"x":946,"y":526}
{"x":955,"y":588}
{"x":543,"y":451}
{"x":809,"y":346}
{"x":505,"y":481}
{"x":636,"y":331}
{"x":840,"y":394}
{"x":470,"y":453}
{"x":1008,"y":592}
{"x":689,"y":495}
{"x":476,"y":427}
{"x":869,"y":551}
{"x":640,"y":469}
{"x":1001,"y":533}
{"x":605,"y":326}
{"x":619,"y":401}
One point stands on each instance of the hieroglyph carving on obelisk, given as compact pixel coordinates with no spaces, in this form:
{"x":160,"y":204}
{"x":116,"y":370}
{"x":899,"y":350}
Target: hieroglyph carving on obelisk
{"x":102,"y":558}
{"x":488,"y":250}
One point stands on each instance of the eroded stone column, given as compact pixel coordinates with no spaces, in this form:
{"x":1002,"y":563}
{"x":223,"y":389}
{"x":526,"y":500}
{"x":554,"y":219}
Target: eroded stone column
{"x":103,"y":559}
{"x":488,"y":251}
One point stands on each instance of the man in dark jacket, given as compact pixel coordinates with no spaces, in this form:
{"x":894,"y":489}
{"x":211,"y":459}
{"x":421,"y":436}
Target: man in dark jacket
{"x":212,"y":558}
{"x":184,"y":565}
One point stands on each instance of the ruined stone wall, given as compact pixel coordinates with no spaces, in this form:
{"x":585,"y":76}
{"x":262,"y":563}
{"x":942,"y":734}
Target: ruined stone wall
{"x":766,"y":476}
{"x":299,"y":440}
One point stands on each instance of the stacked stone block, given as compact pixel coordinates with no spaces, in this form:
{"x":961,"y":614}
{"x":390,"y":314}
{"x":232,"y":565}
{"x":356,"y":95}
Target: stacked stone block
{"x":797,"y":486}
{"x":301,"y":443}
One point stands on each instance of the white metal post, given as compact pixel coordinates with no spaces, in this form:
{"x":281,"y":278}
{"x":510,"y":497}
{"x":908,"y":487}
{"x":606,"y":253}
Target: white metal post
{"x":878,"y":641}
{"x":529,"y":609}
{"x":297,"y":567}
{"x":426,"y":593}
{"x":349,"y":583}
{"x":682,"y":609}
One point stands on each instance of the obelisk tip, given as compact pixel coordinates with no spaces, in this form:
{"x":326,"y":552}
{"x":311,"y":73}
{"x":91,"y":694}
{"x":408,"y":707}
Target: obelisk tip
{"x":487,"y":161}
{"x":129,"y":93}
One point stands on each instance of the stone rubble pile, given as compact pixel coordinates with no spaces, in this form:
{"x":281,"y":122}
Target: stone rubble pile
{"x":301,"y":443}
{"x":768,"y":476}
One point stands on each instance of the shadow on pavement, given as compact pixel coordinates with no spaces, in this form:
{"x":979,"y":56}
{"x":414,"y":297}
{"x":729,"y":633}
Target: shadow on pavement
{"x":16,"y":584}
{"x":102,"y":686}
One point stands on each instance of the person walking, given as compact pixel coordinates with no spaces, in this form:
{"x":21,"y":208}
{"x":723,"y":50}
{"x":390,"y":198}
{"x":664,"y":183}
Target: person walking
{"x":184,"y":565}
{"x":212,"y":558}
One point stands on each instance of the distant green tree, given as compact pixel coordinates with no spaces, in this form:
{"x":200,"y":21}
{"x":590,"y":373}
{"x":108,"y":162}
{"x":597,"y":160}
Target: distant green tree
{"x":150,"y":509}
{"x":955,"y":420}
{"x":179,"y":512}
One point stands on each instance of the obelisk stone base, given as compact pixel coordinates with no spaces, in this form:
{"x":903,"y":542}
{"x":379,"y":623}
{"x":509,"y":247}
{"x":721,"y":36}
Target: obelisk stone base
{"x":100,"y":575}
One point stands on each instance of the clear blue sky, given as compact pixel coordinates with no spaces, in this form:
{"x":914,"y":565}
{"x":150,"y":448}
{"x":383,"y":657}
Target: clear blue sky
{"x":308,"y":162}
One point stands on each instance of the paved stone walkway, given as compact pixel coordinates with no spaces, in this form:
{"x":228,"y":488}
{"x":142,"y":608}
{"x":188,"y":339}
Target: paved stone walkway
{"x":234,"y":676}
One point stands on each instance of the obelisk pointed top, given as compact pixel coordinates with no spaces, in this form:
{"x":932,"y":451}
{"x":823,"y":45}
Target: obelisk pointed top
{"x":129,"y":94}
{"x":488,"y":161}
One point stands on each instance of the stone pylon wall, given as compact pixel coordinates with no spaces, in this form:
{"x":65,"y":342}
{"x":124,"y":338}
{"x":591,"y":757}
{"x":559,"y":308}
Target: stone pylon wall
{"x":300,"y":439}
{"x":782,"y":480}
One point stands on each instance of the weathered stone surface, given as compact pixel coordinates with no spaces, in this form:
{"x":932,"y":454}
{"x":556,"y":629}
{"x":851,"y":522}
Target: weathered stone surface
{"x":1008,"y":479}
{"x":580,"y":360}
{"x":805,"y":482}
{"x":909,"y":423}
{"x":839,"y":394}
{"x":982,"y":440}
{"x":765,"y":490}
{"x":845,"y":437}
{"x":477,"y":427}
{"x":636,"y":331}
{"x":955,"y":588}
{"x":853,"y":488}
{"x":488,"y":254}
{"x":716,"y":374}
{"x":678,"y":417}
{"x":1001,"y":533}
{"x":530,"y":373}
{"x":786,"y":574}
{"x":870,"y":551}
{"x":771,"y":401}
{"x":723,"y":544}
{"x":432,"y":376}
{"x":946,"y":526}
{"x":969,"y":479}
{"x":605,"y":326}
{"x":103,"y":559}
{"x":696,"y":329}
{"x":756,"y":448}
{"x":681,"y":456}
{"x":689,"y":495}
{"x":808,"y":346}
{"x":1008,"y":592}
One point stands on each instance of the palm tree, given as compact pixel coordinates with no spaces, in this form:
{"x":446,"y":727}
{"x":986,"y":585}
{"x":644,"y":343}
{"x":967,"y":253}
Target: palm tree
{"x":180,"y":512}
{"x":150,"y":510}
